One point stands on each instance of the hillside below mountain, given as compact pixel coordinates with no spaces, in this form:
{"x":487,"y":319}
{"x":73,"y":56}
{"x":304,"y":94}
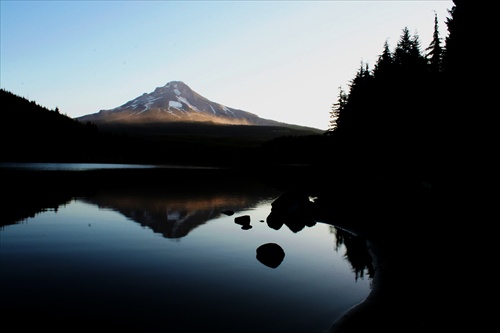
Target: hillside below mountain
{"x":30,"y":132}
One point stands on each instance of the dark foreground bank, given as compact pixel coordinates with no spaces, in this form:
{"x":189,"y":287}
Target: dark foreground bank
{"x":426,"y":241}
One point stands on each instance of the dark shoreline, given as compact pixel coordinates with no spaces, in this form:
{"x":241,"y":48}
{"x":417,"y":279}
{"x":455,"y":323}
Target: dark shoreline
{"x":424,"y":254}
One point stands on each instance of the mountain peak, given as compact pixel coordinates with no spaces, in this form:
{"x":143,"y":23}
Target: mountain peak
{"x":173,"y":103}
{"x":174,"y":83}
{"x":176,"y":102}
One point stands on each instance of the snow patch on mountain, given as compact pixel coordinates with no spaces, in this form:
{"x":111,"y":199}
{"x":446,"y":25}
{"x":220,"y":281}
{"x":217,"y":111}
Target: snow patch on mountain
{"x":175,"y":104}
{"x":227,"y":110}
{"x":150,"y":101}
{"x":185,"y":101}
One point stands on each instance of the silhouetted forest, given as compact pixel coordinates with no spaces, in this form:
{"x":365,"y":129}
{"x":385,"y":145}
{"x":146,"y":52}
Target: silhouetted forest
{"x":32,"y":133}
{"x":417,"y":112}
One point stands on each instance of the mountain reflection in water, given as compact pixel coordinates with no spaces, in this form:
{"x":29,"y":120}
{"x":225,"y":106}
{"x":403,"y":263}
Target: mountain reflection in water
{"x":171,"y":214}
{"x":68,"y":251}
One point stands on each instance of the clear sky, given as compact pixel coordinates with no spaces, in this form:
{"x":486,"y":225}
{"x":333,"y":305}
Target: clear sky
{"x":282,"y":60}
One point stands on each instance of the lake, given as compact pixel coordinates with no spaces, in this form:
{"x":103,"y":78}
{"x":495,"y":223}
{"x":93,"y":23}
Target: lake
{"x":166,"y":249}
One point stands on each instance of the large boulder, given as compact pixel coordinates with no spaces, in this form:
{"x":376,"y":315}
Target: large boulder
{"x":294,"y":209}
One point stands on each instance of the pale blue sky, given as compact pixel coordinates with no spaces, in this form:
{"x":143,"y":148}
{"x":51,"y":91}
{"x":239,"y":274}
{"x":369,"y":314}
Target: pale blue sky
{"x":282,"y":60}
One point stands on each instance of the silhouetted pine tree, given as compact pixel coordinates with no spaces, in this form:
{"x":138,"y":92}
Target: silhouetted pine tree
{"x":337,"y":108}
{"x":356,"y":109}
{"x":408,"y":56}
{"x":385,"y":64}
{"x":435,"y":50}
{"x":403,"y":49}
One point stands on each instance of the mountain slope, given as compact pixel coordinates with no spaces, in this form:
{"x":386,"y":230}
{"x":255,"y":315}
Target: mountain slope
{"x":173,"y":103}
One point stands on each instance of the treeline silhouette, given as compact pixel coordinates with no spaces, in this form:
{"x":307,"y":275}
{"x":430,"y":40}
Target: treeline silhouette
{"x":32,"y":133}
{"x":388,"y":118}
{"x":415,"y":113}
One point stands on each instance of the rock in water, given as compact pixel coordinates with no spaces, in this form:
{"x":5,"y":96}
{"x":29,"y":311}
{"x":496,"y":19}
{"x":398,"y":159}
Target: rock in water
{"x":270,"y":254}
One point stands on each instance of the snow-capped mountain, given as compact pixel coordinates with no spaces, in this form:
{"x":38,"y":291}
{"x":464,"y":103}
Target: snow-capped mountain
{"x":176,"y":102}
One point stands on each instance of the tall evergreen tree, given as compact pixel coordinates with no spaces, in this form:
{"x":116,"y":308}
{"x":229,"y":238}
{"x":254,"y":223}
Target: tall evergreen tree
{"x":384,"y":64}
{"x":434,"y":50}
{"x":337,"y":109}
{"x":403,"y":48}
{"x":415,"y":47}
{"x":408,"y":55}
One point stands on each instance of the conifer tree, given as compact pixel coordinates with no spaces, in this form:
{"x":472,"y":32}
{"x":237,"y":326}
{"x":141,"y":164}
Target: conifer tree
{"x":384,"y":62}
{"x":403,"y":48}
{"x":408,"y":56}
{"x":358,"y":84}
{"x":337,"y":109}
{"x":434,"y":50}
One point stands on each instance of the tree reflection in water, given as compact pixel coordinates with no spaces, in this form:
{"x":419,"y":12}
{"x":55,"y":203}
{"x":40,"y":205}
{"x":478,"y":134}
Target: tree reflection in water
{"x":295,"y":210}
{"x":356,"y":252}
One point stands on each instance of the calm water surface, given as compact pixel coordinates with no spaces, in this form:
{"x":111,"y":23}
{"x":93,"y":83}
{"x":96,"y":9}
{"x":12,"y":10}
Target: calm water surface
{"x":75,"y":166}
{"x":170,"y":258}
